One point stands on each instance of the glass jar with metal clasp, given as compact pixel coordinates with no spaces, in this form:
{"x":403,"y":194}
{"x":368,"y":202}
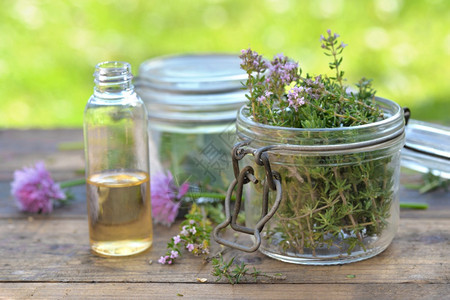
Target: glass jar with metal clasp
{"x":317,"y":196}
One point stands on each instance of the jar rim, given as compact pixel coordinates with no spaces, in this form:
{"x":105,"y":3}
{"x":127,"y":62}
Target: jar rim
{"x":398,"y":113}
{"x":263,"y":134}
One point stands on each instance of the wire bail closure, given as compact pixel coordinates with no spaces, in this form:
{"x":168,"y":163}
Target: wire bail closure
{"x":244,"y":176}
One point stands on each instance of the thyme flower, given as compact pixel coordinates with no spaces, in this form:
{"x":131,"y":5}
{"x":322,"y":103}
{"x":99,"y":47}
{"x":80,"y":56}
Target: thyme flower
{"x":283,"y":70}
{"x":283,"y":97}
{"x":252,"y":61}
{"x":295,"y":97}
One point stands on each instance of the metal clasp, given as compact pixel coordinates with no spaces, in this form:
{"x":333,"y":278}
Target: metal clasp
{"x":271,"y":182}
{"x":406,"y":114}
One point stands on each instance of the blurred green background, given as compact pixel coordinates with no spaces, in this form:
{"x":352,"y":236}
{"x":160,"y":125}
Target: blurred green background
{"x":48,"y":49}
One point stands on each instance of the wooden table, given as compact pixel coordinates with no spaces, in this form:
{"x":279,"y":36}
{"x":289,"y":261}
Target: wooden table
{"x":47,"y":256}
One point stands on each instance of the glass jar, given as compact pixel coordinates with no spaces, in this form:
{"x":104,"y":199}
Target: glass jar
{"x":193,"y":101}
{"x":117,"y":164}
{"x":334,"y":197}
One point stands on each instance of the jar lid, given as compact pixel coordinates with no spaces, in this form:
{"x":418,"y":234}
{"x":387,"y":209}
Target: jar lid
{"x":194,"y":88}
{"x":196,"y":73}
{"x":427,"y":148}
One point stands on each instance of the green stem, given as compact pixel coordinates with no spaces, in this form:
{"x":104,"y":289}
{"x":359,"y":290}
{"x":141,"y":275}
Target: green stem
{"x":73,"y":182}
{"x":411,"y":205}
{"x":334,"y":113}
{"x":209,"y":195}
{"x":71,"y":146}
{"x":338,"y":75}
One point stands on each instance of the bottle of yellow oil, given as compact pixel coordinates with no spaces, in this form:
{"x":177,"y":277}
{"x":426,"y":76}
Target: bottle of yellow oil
{"x":117,"y":164}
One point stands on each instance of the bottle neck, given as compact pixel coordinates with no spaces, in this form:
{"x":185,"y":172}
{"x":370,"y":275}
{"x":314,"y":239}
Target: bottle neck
{"x":112,"y":79}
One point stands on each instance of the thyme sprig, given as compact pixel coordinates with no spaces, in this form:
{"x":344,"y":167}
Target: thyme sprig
{"x":194,"y":236}
{"x":235,"y":273}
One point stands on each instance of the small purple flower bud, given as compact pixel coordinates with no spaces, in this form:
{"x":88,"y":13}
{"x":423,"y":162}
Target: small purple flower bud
{"x":184,"y":231}
{"x":190,"y":247}
{"x":301,"y":101}
{"x":279,"y":56}
{"x":193,"y":230}
{"x":268,"y":93}
{"x":176,"y":239}
{"x":343,"y":45}
{"x":261,"y":99}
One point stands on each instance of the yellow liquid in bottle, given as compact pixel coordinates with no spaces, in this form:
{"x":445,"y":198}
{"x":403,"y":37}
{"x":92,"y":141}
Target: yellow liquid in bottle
{"x":119,"y":211}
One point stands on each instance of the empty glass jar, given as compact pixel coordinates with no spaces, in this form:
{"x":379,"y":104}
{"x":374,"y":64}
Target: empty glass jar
{"x":192,"y":102}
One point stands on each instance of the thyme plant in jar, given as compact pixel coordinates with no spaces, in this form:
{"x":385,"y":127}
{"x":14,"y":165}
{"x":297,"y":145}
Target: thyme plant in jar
{"x":321,"y":185}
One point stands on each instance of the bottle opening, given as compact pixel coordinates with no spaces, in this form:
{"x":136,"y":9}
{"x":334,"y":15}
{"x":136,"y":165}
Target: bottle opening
{"x":111,"y":73}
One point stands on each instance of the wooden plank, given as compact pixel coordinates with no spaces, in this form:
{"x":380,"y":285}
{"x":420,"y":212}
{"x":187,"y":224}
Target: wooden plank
{"x":20,"y":148}
{"x":57,"y":250}
{"x":221,"y":291}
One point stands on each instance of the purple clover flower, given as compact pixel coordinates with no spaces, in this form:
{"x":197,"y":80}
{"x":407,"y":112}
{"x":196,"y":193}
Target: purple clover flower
{"x":166,"y":198}
{"x":34,"y":190}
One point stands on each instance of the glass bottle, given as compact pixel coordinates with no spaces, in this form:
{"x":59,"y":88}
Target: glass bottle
{"x":117,"y":164}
